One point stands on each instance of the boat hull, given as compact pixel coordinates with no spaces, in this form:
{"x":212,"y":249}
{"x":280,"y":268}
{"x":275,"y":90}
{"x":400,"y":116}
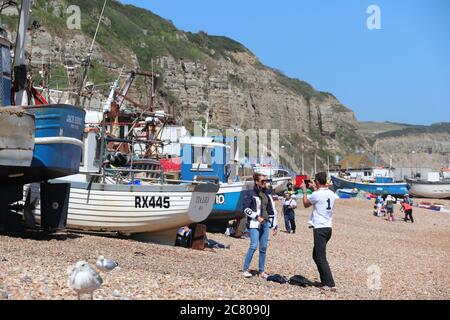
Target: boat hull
{"x":432,"y":190}
{"x":58,"y":140}
{"x":228,"y":203}
{"x":394,"y":189}
{"x":280,"y":184}
{"x":347,"y":192}
{"x":126,"y":209}
{"x":17,"y":129}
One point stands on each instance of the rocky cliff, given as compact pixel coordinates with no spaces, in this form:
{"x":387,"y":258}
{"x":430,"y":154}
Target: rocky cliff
{"x":410,"y":146}
{"x":199,"y":73}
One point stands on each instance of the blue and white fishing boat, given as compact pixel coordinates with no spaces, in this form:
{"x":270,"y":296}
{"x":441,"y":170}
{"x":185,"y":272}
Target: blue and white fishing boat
{"x":58,"y":130}
{"x":37,"y":142}
{"x":58,"y":140}
{"x":382,"y":187}
{"x":211,"y":158}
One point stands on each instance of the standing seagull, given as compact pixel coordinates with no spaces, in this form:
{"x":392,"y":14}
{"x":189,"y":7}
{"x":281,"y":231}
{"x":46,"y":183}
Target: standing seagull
{"x":106,"y":265}
{"x":85,"y":279}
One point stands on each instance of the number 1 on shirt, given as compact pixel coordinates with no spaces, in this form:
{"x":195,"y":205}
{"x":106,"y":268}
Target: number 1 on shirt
{"x":329,"y":204}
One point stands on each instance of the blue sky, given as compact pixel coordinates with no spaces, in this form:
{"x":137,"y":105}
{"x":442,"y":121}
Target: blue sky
{"x":400,"y":73}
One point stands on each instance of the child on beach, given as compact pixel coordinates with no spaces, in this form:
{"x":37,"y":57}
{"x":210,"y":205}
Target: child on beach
{"x":407,"y":209}
{"x":390,"y":200}
{"x":378,"y":206}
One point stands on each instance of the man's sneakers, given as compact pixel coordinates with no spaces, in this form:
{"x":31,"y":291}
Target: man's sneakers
{"x":327,"y":288}
{"x":264,"y":275}
{"x":247,"y":274}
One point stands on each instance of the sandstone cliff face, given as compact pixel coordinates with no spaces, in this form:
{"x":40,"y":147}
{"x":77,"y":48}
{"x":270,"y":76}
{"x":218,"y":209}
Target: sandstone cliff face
{"x":431,"y":150}
{"x":234,"y":87}
{"x":241,"y":95}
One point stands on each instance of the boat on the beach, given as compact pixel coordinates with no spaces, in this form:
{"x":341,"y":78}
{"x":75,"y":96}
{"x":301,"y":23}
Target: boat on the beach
{"x":17,"y":129}
{"x":52,"y":147}
{"x":347,"y":193}
{"x":278,"y":177}
{"x":149,"y":212}
{"x":429,"y":189}
{"x":122,"y":200}
{"x":58,"y":140}
{"x":381,"y":188}
{"x":212,"y":158}
{"x":38,"y":141}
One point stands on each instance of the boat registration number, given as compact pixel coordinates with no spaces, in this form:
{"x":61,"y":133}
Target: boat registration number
{"x":220,"y":199}
{"x":141,"y":202}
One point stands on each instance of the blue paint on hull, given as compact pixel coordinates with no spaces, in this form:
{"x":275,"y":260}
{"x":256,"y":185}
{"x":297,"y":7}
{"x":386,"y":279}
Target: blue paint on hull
{"x":395,"y":189}
{"x":57,"y":159}
{"x":231,"y":208}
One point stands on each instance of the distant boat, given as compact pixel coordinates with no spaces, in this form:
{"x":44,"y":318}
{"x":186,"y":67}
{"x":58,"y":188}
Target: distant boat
{"x":428,"y":189}
{"x":278,"y":177}
{"x":382,"y":188}
{"x":350,"y":193}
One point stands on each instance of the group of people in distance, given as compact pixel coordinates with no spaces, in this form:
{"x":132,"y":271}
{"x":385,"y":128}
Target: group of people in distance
{"x":262,"y":218}
{"x":388,"y":206}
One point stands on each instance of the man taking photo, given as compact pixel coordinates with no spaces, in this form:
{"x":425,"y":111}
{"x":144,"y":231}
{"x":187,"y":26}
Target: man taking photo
{"x":322,"y":200}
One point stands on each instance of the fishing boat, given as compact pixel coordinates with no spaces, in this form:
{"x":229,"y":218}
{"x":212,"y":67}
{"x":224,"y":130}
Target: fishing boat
{"x":117,"y":191}
{"x":347,"y":193}
{"x":211,"y":158}
{"x":383,"y":186}
{"x":429,"y":189}
{"x":278,"y":177}
{"x":58,"y":140}
{"x":17,"y":129}
{"x":58,"y":129}
{"x":38,"y":141}
{"x":147,"y":212}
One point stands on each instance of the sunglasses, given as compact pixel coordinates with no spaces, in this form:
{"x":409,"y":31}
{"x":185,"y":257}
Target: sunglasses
{"x":262,"y":181}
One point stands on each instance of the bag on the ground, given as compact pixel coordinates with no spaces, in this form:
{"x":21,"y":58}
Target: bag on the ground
{"x":277,"y":278}
{"x":300,"y":281}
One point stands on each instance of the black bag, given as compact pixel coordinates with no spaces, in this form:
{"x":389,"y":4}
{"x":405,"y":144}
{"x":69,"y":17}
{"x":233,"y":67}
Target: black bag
{"x":300,"y":281}
{"x":277,"y":278}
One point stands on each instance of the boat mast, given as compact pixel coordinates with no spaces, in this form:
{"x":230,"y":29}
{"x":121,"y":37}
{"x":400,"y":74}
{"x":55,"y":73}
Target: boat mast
{"x":87,"y":61}
{"x":21,"y":97}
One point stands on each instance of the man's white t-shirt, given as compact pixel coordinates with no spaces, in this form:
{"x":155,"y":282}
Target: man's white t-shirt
{"x":323,"y":201}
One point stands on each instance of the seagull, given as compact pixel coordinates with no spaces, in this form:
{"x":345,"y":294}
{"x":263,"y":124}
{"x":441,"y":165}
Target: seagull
{"x":85,"y":279}
{"x":106,"y":265}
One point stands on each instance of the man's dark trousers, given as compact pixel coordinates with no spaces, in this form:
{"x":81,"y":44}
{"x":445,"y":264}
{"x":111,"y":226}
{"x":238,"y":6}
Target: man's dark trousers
{"x":321,"y":238}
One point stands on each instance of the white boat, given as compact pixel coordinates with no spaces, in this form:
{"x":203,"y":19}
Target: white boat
{"x":429,"y":189}
{"x":149,"y":212}
{"x":279,"y":177}
{"x":115,"y":202}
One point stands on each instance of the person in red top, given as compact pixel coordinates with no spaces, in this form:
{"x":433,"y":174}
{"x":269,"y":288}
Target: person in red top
{"x":407,"y":209}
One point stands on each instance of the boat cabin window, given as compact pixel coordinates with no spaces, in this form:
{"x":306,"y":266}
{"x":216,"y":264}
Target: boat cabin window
{"x":202,"y":158}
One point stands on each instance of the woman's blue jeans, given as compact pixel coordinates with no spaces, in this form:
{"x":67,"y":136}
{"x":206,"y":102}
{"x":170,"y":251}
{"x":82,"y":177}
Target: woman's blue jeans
{"x":258,"y":236}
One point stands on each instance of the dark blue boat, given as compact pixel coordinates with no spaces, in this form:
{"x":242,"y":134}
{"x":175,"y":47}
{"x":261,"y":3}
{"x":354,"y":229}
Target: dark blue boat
{"x":392,"y":188}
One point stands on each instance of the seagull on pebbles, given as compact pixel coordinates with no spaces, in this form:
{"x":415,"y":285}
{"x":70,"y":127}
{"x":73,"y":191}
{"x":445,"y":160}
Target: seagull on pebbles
{"x":85,"y":279}
{"x":106,"y":265}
